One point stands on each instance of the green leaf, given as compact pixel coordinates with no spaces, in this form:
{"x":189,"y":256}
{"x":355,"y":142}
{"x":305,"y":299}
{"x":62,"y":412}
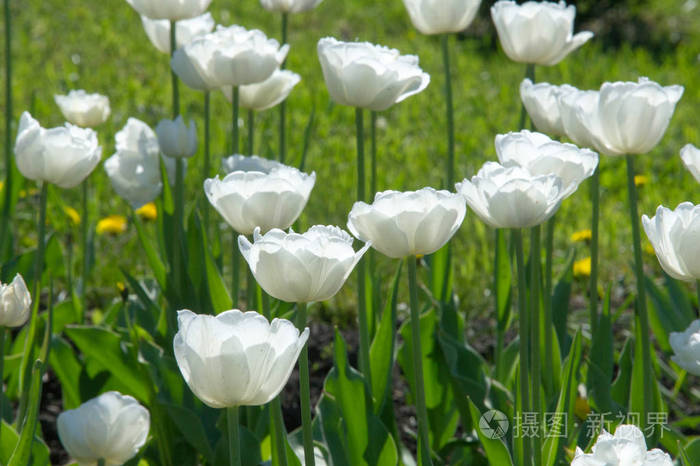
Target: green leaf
{"x":67,"y":368}
{"x":154,"y":260}
{"x":621,"y":386}
{"x":496,"y":450}
{"x":691,"y":452}
{"x":602,"y":360}
{"x":467,"y":369}
{"x":560,"y":304}
{"x":190,"y":426}
{"x":502,"y":281}
{"x":21,"y":456}
{"x":8,"y":441}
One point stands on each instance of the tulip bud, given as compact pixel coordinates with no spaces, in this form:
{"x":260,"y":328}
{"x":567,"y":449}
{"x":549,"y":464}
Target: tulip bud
{"x":364,"y":75}
{"x":401,"y":224}
{"x":686,"y":348}
{"x":266,"y":94}
{"x":301,"y":268}
{"x":173,"y":10}
{"x":15,"y":303}
{"x":441,"y":16}
{"x":541,"y":101}
{"x":112,"y":427}
{"x":175,"y":139}
{"x":289,"y":6}
{"x":64,"y":156}
{"x":540,"y":33}
{"x":236,"y":358}
{"x":691,"y":159}
{"x":627,"y":446}
{"x":83,"y":109}
{"x":158,"y":30}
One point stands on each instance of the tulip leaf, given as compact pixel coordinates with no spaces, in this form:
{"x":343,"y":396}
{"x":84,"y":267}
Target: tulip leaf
{"x":190,"y":425}
{"x":441,"y":273}
{"x":156,"y":264}
{"x":67,"y":368}
{"x":560,"y":304}
{"x":8,"y":441}
{"x":602,"y":360}
{"x":22,"y":454}
{"x":106,"y":349}
{"x":621,"y":386}
{"x":502,"y":281}
{"x":496,"y":450}
{"x":467,"y":370}
{"x":670,"y":310}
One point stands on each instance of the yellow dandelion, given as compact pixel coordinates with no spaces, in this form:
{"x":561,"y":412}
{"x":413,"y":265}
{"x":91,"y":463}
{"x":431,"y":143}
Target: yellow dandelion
{"x":72,"y":214}
{"x":112,"y":224}
{"x":147,"y":211}
{"x":581,"y":235}
{"x":640,"y":180}
{"x":2,"y":185}
{"x":582,"y":267}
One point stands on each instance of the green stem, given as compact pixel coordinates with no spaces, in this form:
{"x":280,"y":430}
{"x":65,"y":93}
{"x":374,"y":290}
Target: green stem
{"x":234,"y":436}
{"x":697,"y":290}
{"x":283,"y":104}
{"x":548,"y":319}
{"x":641,"y":295}
{"x":178,"y":261}
{"x":101,"y":462}
{"x":450,"y":112}
{"x":7,"y":203}
{"x":173,"y":76}
{"x":524,"y":338}
{"x":236,"y":270}
{"x":305,"y":392}
{"x":373,"y":154}
{"x":251,"y":131}
{"x":421,"y":409}
{"x":500,"y":326}
{"x":84,"y":223}
{"x":251,"y":293}
{"x":535,"y":361}
{"x":285,"y":23}
{"x":2,"y":374}
{"x":593,"y":284}
{"x":530,"y":74}
{"x":361,"y":268}
{"x":234,"y":123}
{"x":207,"y":154}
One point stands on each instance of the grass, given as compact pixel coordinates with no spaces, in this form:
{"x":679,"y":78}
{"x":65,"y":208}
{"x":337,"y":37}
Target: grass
{"x":101,"y":47}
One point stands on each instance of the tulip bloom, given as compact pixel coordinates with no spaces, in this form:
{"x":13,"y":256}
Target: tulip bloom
{"x":301,"y":268}
{"x":512,"y":197}
{"x":579,"y":118}
{"x":441,"y":16}
{"x":411,"y":223}
{"x":259,"y":197}
{"x":539,"y":33}
{"x":64,"y":156}
{"x":173,"y":10}
{"x":541,"y":101}
{"x":232,"y":56}
{"x":673,"y":234}
{"x":134,"y":170}
{"x":158,"y":30}
{"x":289,"y":6}
{"x":236,"y":358}
{"x":83,"y":109}
{"x":626,"y":447}
{"x":253,"y":163}
{"x":112,"y":427}
{"x":364,"y":75}
{"x":175,"y":139}
{"x":686,"y":348}
{"x":691,"y":159}
{"x":266,"y":94}
{"x":542,"y":156}
{"x":15,"y":303}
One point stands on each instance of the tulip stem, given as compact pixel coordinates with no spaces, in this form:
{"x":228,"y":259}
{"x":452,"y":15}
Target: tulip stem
{"x":101,"y":462}
{"x":234,"y":436}
{"x":373,"y":155}
{"x":7,"y":203}
{"x":173,"y":76}
{"x":236,"y":270}
{"x":361,"y":269}
{"x":207,"y":150}
{"x":501,"y":323}
{"x":697,"y":290}
{"x":421,"y":410}
{"x":304,"y":391}
{"x":535,"y":361}
{"x":593,"y":284}
{"x":548,"y":320}
{"x":524,"y":337}
{"x":643,"y":321}
{"x":2,"y":373}
{"x":86,"y":253}
{"x":251,"y":131}
{"x":177,"y":231}
{"x":234,"y":123}
{"x":530,"y":74}
{"x":283,"y":104}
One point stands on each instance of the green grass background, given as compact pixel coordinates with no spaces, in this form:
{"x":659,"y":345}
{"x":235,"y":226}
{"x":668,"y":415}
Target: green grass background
{"x":100,"y":46}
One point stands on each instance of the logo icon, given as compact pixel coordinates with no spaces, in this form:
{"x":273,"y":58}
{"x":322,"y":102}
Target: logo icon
{"x":494,"y":424}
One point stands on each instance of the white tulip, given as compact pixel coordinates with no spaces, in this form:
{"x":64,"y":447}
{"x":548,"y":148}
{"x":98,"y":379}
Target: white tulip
{"x":175,"y":139}
{"x":64,"y":156}
{"x":158,"y":30}
{"x":626,"y":448}
{"x":112,"y":427}
{"x":173,"y":10}
{"x":289,"y":6}
{"x":301,"y":268}
{"x":579,"y":117}
{"x":15,"y":303}
{"x":83,"y":109}
{"x":254,"y":198}
{"x":674,"y":236}
{"x":134,"y":170}
{"x":542,"y":156}
{"x":540,"y":33}
{"x":691,"y":159}
{"x":253,"y":163}
{"x":541,"y":101}
{"x":229,"y":56}
{"x":360,"y":74}
{"x":512,"y":197}
{"x":441,"y":16}
{"x":686,"y":348}
{"x":401,"y":224}
{"x":266,"y":94}
{"x":236,"y":358}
